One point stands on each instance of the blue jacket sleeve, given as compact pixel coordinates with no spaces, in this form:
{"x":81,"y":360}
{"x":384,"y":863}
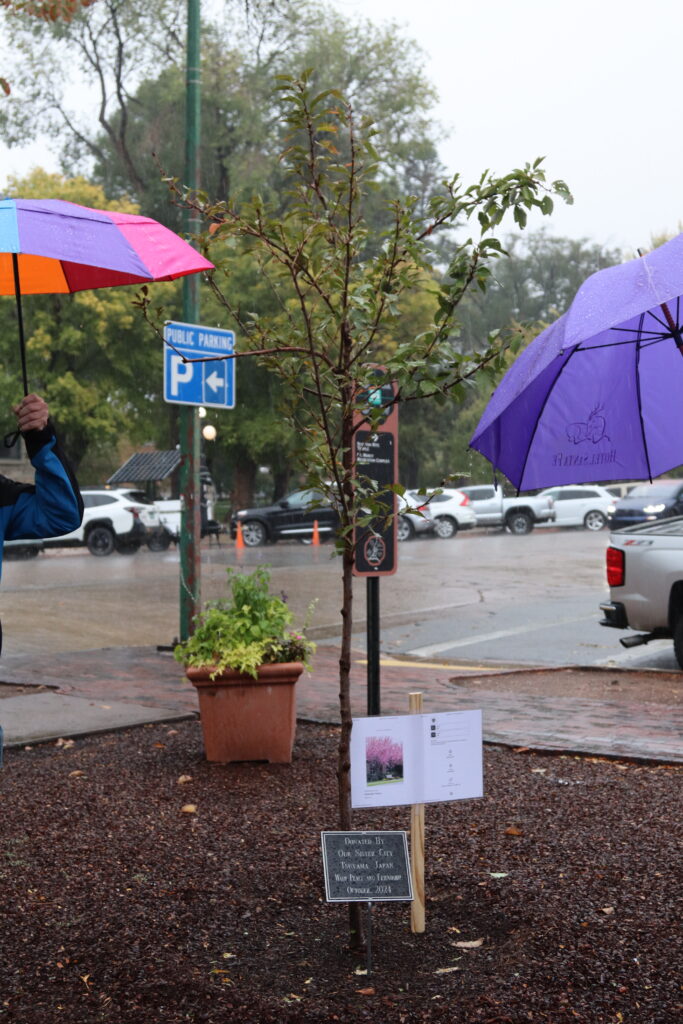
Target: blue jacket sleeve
{"x":50,"y":507}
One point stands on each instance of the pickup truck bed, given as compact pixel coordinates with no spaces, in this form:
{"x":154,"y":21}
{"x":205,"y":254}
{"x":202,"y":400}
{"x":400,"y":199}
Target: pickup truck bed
{"x":645,"y":574}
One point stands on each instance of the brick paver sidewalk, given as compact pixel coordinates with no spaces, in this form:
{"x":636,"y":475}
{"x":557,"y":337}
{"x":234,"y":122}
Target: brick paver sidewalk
{"x":144,"y":676}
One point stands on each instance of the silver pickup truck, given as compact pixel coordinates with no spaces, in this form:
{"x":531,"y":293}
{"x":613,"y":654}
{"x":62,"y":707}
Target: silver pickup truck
{"x":645,"y":577}
{"x":519,"y":515}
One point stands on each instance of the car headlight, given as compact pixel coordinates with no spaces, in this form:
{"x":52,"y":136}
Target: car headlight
{"x":654,"y":509}
{"x":611,"y":509}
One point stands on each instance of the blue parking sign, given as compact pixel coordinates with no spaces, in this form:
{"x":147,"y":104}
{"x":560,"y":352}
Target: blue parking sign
{"x":208,"y":382}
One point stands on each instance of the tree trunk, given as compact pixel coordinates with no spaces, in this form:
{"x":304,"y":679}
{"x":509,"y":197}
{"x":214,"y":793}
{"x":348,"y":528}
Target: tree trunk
{"x":356,"y":938}
{"x":244,"y":476}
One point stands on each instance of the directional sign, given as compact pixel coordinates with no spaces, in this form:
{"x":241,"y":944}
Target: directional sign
{"x":209,"y":382}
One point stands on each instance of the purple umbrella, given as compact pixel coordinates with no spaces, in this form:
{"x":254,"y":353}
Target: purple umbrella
{"x":598,"y":395}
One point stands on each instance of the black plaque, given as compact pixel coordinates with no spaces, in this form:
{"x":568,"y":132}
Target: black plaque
{"x":376,"y":543}
{"x":366,"y":866}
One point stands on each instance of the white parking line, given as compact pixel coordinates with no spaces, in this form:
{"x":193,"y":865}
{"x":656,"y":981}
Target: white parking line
{"x":432,"y":649}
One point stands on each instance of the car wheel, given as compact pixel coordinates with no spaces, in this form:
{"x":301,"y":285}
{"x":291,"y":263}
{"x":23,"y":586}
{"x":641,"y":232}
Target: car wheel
{"x":404,"y":529}
{"x":519,"y":523}
{"x":254,"y":533}
{"x":594,"y":520}
{"x":159,"y":541}
{"x":100,"y":541}
{"x":446,"y":527}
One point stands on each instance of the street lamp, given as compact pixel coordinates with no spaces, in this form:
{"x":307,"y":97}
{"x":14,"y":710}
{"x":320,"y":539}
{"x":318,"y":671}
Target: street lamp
{"x":209,"y":432}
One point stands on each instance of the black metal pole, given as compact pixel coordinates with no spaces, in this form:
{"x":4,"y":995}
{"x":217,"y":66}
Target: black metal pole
{"x":372,"y":611}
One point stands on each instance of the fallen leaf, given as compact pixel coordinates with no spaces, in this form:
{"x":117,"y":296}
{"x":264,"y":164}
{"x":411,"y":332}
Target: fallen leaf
{"x":189,"y":808}
{"x":365,"y":991}
{"x":520,"y":750}
{"x":159,"y":745}
{"x":75,"y":775}
{"x":445,"y":970}
{"x":308,"y":981}
{"x":472,"y":944}
{"x":513,"y":831}
{"x":182,"y":779}
{"x":172,"y":732}
{"x":454,"y":929}
{"x":229,"y":956}
{"x":361,"y":970}
{"x":539,"y":771}
{"x":498,"y":874}
{"x":607,"y":910}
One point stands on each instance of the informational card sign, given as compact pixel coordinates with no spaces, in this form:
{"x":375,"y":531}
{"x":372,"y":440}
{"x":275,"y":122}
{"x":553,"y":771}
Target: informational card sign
{"x":416,"y":759}
{"x":366,"y":866}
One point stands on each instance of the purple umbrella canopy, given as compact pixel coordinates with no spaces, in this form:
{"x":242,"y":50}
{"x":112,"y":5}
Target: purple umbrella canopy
{"x":598,"y":395}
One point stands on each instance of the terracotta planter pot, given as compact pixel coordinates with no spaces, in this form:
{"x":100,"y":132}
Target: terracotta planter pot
{"x":247,"y":719}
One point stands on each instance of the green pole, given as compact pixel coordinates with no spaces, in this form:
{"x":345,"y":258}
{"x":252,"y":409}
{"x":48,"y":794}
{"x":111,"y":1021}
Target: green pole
{"x":190,"y":526}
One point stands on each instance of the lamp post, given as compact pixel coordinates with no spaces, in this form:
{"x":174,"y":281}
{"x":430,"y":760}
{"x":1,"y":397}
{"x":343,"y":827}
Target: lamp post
{"x":190,"y":526}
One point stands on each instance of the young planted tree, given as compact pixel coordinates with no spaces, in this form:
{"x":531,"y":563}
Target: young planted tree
{"x":338,"y":292}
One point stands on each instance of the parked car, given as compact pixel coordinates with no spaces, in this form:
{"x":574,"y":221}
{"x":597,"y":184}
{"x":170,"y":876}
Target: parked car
{"x":113,"y":520}
{"x":25,"y":548}
{"x":645,"y":575}
{"x":452,"y":511}
{"x":519,"y":514}
{"x":409,"y":524}
{"x":580,"y":505}
{"x":293,"y":517}
{"x":647,"y":502}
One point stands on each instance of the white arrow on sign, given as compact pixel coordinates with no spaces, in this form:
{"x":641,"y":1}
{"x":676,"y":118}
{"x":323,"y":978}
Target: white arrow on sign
{"x":214,"y":381}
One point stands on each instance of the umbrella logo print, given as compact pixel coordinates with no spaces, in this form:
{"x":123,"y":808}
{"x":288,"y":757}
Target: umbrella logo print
{"x":593,"y":429}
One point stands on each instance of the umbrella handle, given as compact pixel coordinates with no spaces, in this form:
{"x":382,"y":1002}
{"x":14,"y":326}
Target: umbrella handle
{"x":20,"y":318}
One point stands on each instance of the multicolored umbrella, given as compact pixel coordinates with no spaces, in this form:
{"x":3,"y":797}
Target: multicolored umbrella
{"x":598,"y":395}
{"x":52,"y":246}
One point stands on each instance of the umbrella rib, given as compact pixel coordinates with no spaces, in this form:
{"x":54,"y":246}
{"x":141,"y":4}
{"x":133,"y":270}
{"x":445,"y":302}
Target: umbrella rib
{"x":640,"y":405}
{"x":540,"y":414}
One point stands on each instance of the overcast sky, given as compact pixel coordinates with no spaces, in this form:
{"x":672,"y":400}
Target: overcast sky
{"x":595,"y":86}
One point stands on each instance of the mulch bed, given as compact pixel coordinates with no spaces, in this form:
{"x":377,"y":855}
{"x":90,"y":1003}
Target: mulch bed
{"x":118,"y":905}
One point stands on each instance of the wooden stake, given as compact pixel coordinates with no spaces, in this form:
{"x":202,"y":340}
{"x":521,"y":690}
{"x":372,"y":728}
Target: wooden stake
{"x":417,"y":845}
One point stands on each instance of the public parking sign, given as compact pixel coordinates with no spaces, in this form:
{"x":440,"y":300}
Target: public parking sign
{"x":191,"y":376}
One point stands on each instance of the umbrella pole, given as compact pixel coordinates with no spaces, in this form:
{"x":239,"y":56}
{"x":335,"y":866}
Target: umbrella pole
{"x":20,"y":317}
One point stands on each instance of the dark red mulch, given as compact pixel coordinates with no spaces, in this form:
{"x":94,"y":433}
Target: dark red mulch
{"x":117,"y":906}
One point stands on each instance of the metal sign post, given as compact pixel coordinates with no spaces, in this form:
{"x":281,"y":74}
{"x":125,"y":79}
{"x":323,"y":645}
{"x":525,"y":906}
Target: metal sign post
{"x":376,"y":458}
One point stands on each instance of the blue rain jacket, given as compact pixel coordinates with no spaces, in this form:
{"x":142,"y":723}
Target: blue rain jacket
{"x":49,"y":507}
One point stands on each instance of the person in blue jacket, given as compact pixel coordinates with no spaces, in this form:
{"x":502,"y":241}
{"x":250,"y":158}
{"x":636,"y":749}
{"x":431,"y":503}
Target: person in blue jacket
{"x":52,"y":505}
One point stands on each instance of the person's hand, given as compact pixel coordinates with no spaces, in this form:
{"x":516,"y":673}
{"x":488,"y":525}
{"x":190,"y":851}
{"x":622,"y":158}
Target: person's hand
{"x":32,"y":413}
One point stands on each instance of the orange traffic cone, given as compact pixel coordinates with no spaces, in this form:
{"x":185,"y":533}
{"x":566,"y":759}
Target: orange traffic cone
{"x":315,"y":540}
{"x":239,"y":539}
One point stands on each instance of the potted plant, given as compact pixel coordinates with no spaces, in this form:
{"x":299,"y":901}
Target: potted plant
{"x":244,"y":662}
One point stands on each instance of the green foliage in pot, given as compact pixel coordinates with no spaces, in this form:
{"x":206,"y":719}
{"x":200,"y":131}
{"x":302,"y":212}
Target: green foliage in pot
{"x":246,"y":631}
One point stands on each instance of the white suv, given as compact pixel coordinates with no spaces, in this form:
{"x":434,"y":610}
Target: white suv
{"x":114,"y":520}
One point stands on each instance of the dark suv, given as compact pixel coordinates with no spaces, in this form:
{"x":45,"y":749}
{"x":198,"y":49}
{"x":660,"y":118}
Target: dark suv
{"x":647,"y":502}
{"x":291,"y":517}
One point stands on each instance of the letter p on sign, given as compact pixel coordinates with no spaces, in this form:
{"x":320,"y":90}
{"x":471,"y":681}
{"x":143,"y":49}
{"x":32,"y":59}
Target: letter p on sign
{"x":181,"y":373}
